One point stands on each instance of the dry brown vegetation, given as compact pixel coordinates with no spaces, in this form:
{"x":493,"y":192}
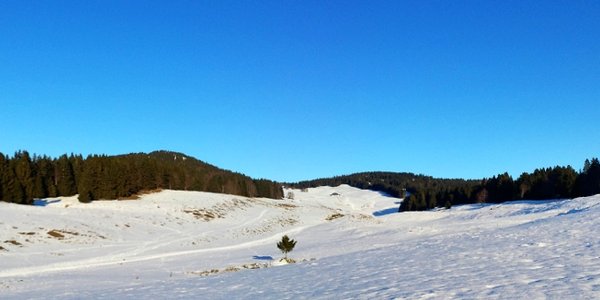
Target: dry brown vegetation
{"x":56,"y":234}
{"x":287,"y":206}
{"x":334,"y":216}
{"x":219,"y":210}
{"x":230,"y":269}
{"x":13,"y":242}
{"x":203,"y":214}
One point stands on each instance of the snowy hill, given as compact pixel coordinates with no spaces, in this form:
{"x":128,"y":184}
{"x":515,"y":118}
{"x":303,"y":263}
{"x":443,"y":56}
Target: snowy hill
{"x":351,"y":244}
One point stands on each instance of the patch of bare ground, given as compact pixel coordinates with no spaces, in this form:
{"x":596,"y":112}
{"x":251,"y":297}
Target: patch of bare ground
{"x":13,"y":242}
{"x":3,"y":249}
{"x":365,"y":218}
{"x":94,"y":234}
{"x":251,"y":266}
{"x":205,"y":273}
{"x":60,"y":234}
{"x":202,"y":214}
{"x":82,"y":238}
{"x":270,"y":224}
{"x":334,"y":216}
{"x":229,"y":269}
{"x":287,"y":206}
{"x":27,"y":233}
{"x":287,"y":221}
{"x":219,"y":210}
{"x":56,"y":234}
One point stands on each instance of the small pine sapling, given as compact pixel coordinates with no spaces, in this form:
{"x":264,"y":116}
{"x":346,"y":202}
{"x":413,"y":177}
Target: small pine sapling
{"x":286,"y":245}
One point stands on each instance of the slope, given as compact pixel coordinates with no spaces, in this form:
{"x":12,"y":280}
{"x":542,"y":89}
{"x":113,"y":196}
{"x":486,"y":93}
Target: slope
{"x":351,"y":244}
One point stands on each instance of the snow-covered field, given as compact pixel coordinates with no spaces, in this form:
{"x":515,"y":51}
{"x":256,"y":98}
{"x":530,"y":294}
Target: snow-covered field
{"x":176,"y":244}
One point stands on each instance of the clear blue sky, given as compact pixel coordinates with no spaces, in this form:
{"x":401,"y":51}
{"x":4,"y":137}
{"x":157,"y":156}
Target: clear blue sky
{"x":293,"y":90}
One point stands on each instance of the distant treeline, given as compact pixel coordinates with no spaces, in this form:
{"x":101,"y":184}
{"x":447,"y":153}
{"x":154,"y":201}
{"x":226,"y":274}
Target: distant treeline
{"x":425,"y":192}
{"x":24,"y":178}
{"x":393,"y":184}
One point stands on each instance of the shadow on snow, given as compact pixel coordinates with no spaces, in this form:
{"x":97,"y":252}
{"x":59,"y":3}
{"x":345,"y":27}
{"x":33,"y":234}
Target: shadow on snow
{"x":384,"y":212}
{"x":262,"y":257}
{"x":44,"y":202}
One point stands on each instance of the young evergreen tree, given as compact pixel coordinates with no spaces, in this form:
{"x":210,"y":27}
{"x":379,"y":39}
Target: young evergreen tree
{"x":286,"y":245}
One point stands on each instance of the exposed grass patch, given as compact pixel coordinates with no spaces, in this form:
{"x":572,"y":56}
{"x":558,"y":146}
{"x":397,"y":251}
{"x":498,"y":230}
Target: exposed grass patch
{"x":334,"y":216}
{"x":251,"y":266}
{"x":202,"y":213}
{"x":56,"y":234}
{"x":61,"y":233}
{"x":230,"y":269}
{"x":287,"y":206}
{"x":219,"y":210}
{"x":13,"y":242}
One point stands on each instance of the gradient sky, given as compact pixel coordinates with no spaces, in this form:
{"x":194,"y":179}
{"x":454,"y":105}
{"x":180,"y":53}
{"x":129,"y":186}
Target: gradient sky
{"x":293,"y":90}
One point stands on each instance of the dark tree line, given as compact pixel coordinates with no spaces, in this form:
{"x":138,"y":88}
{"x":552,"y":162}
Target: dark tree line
{"x":24,"y":178}
{"x":423,"y":192}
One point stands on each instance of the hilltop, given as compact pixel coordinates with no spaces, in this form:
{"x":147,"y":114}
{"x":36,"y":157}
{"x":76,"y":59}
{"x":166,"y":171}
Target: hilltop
{"x":24,"y":178}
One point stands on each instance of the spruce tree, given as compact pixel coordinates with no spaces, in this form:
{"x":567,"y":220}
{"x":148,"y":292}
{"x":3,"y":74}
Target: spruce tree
{"x":86,"y":187}
{"x":286,"y":245}
{"x":24,"y":172}
{"x":65,"y":179}
{"x":13,"y":190}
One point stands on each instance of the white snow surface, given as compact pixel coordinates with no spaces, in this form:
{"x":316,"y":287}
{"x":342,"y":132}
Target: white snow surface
{"x":182,"y":245}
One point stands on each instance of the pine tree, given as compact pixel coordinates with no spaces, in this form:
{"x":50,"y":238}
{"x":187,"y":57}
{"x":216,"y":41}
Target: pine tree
{"x":286,"y":245}
{"x":586,"y":166}
{"x":65,"y":179}
{"x":86,"y":187}
{"x":24,"y":172}
{"x":13,"y":190}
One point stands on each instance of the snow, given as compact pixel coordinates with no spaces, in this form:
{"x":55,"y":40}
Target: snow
{"x":176,"y":244}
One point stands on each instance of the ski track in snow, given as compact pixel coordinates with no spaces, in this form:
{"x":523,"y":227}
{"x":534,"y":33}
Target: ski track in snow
{"x":153,"y":249}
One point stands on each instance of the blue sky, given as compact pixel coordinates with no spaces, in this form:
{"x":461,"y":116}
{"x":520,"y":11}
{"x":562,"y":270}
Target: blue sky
{"x":293,"y":90}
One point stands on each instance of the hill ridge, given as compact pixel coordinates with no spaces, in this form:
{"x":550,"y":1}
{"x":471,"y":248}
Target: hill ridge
{"x":25,"y":177}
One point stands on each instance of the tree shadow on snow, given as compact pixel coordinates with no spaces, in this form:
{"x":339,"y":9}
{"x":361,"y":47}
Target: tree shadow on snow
{"x":384,"y":212}
{"x":44,"y":202}
{"x":262,"y":257}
